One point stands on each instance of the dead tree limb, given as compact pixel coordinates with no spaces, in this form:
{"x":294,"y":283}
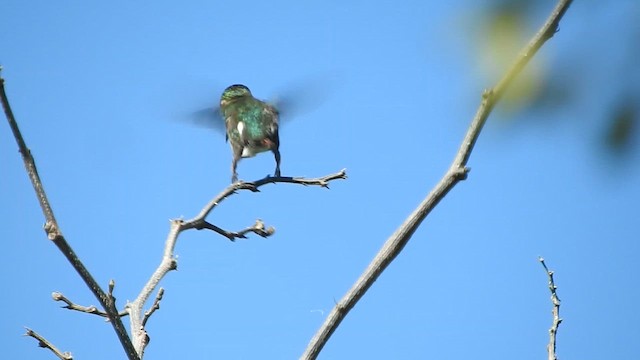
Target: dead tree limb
{"x":457,"y":172}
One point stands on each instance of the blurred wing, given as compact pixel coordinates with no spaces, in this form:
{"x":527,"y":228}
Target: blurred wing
{"x":210,"y":118}
{"x":302,"y":97}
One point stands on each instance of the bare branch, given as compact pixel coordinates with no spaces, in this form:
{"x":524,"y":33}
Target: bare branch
{"x":168,"y":262}
{"x":457,"y":172}
{"x":253,"y":186}
{"x":55,"y":234}
{"x":58,"y":296}
{"x":154,"y":307}
{"x":257,"y":228}
{"x":44,"y":343}
{"x":553,"y":331}
{"x":107,"y":300}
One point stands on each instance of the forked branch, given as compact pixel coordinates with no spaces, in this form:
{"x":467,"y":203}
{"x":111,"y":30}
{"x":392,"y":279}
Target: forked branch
{"x":168,"y":262}
{"x":135,"y":345}
{"x":55,"y":234}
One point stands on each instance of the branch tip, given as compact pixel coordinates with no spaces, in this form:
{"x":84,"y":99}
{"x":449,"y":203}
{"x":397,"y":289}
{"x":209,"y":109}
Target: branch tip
{"x":44,"y":343}
{"x":112,"y":285}
{"x":154,"y":307}
{"x":555,"y":311}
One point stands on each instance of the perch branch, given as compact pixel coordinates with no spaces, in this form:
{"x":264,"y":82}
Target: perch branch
{"x":168,"y":262}
{"x":44,"y":343}
{"x":55,"y":234}
{"x":553,"y":331}
{"x":253,"y":186}
{"x":457,"y":172}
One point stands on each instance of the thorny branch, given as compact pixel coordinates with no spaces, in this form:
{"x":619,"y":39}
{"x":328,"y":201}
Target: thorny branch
{"x":553,"y":331}
{"x":457,"y":172}
{"x":44,"y":343}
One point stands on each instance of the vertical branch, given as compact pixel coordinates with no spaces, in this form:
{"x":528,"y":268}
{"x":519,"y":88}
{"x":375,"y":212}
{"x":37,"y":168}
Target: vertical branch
{"x":55,"y":234}
{"x":553,"y":331}
{"x":457,"y":172}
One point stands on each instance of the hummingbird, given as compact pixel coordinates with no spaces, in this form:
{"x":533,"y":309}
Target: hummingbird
{"x":251,"y":126}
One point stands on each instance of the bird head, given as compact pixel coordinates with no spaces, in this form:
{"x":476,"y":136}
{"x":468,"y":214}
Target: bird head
{"x":234,"y":92}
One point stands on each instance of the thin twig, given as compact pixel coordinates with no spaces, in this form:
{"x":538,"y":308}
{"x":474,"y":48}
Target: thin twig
{"x":112,"y":285}
{"x":154,"y":307}
{"x":168,"y":262}
{"x":253,"y":186}
{"x":55,"y":234}
{"x":457,"y":172}
{"x":257,"y":228}
{"x":553,"y":331}
{"x":44,"y":343}
{"x":58,"y":296}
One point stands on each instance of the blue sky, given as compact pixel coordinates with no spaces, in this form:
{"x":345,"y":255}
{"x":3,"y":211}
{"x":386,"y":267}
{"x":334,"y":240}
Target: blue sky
{"x":103,"y":94}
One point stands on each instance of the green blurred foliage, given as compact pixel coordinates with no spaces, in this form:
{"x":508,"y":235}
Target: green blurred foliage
{"x":591,"y":72}
{"x":622,"y":126}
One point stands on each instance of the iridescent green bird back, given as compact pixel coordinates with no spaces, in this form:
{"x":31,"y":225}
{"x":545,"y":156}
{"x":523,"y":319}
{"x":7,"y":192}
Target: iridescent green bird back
{"x":252,"y":125}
